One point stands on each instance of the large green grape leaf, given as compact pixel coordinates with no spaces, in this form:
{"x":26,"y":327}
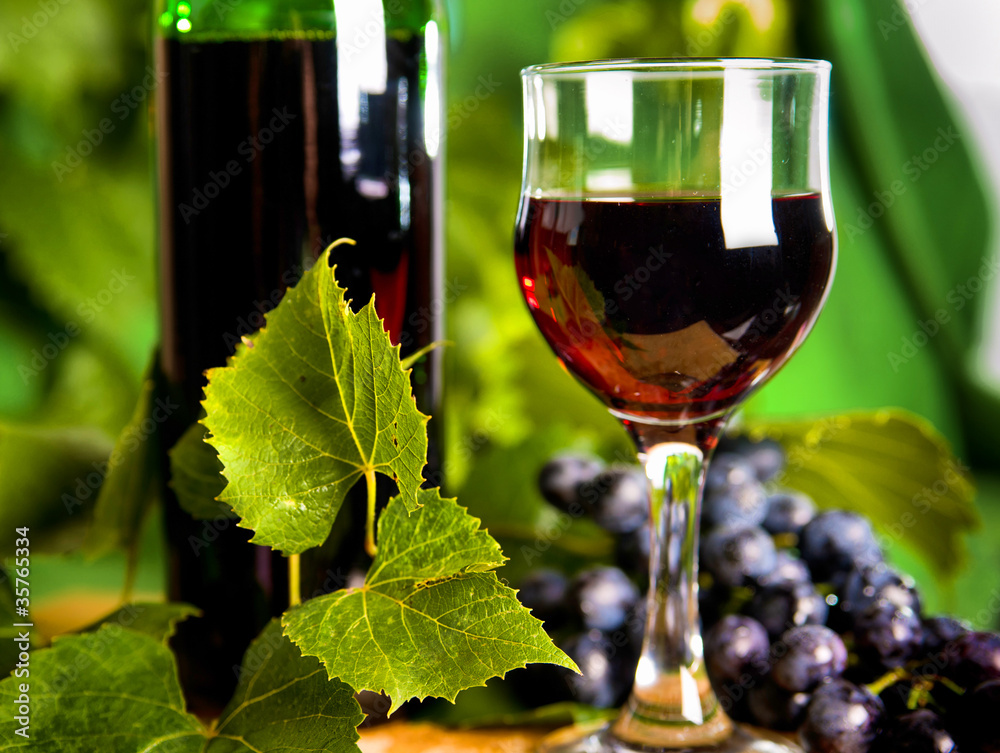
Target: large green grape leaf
{"x":431,"y":618}
{"x":891,"y":466}
{"x":314,"y":401}
{"x":116,"y":690}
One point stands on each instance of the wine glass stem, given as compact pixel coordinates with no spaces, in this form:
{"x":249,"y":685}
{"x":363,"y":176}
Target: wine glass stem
{"x":672,"y":699}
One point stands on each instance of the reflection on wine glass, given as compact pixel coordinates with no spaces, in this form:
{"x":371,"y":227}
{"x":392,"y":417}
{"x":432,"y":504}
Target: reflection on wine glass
{"x":674,"y":245}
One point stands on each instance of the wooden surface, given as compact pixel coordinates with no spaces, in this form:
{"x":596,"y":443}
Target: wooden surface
{"x":399,"y":737}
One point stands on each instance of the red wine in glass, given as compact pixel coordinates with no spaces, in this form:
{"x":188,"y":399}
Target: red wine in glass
{"x":641,"y":299}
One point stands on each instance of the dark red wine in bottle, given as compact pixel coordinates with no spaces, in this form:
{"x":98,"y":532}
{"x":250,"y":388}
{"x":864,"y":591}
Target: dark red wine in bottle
{"x":270,"y":147}
{"x":642,"y":300}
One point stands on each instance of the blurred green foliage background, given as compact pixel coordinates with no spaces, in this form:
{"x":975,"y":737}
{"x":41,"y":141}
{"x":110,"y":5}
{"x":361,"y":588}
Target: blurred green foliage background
{"x":77,"y":266}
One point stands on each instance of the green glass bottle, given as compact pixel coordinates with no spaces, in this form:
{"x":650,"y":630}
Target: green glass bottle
{"x":281,"y":126}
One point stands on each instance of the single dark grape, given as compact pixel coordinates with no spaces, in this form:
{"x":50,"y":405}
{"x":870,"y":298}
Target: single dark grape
{"x":767,"y":457}
{"x":603,"y":597}
{"x":807,"y":656}
{"x":974,"y":659}
{"x":738,"y":554}
{"x":920,"y":731}
{"x":886,"y":635}
{"x":939,"y":632}
{"x":618,"y":500}
{"x":837,"y":541}
{"x":865,"y":586}
{"x":776,"y":708}
{"x":787,"y":570}
{"x":780,"y":608}
{"x":560,"y":480}
{"x":976,"y":723}
{"x":788,"y":512}
{"x":726,"y":470}
{"x":841,"y":718}
{"x":736,"y":650}
{"x":544,"y":592}
{"x":632,"y":551}
{"x":712,"y":602}
{"x":606,"y":676}
{"x":735,"y":504}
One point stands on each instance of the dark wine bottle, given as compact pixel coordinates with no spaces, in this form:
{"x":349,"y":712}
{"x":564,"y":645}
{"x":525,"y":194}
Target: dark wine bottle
{"x":283,"y":125}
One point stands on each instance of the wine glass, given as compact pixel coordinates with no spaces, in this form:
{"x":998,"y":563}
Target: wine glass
{"x":674,"y":244}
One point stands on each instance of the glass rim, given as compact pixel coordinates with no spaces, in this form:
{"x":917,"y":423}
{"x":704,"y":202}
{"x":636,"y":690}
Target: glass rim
{"x":677,"y":65}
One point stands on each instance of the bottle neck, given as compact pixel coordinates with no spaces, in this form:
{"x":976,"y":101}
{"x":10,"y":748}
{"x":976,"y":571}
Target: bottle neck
{"x":356,"y":20}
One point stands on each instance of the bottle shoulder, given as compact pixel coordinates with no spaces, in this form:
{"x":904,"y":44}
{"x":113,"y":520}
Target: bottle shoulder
{"x":205,"y":20}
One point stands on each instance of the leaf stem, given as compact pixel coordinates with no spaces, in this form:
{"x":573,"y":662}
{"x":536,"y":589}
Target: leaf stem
{"x":411,"y":359}
{"x":294,"y":580}
{"x":370,"y":545}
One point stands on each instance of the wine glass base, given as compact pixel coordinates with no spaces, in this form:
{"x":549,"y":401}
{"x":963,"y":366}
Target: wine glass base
{"x":596,"y":738}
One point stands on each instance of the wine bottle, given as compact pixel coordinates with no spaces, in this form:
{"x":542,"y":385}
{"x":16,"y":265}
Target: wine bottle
{"x":281,"y":126}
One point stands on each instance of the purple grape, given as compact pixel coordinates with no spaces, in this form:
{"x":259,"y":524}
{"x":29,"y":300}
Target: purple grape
{"x":920,"y":731}
{"x":604,"y":597}
{"x":776,"y":708}
{"x":560,"y":479}
{"x":618,"y":500}
{"x":736,"y":650}
{"x":812,"y":654}
{"x":735,"y":555}
{"x":767,"y":457}
{"x":867,"y":585}
{"x":939,"y":632}
{"x":544,"y":593}
{"x":735,"y":505}
{"x":788,"y":512}
{"x":632,"y":551}
{"x":726,"y":470}
{"x":779,"y":608}
{"x":841,"y":718}
{"x":887,"y":635}
{"x":606,"y":676}
{"x":787,"y":570}
{"x":975,"y":659}
{"x":976,"y":720}
{"x":834,"y":542}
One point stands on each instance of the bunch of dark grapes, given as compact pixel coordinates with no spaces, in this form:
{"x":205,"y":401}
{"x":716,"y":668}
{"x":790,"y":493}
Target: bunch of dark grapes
{"x":806,"y":627}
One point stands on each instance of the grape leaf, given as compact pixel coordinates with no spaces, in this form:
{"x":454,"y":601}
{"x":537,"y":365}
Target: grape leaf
{"x":891,"y":466}
{"x":196,"y":476}
{"x":431,"y":618}
{"x":283,"y":702}
{"x":155,"y":620}
{"x":131,"y":476}
{"x":314,"y":401}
